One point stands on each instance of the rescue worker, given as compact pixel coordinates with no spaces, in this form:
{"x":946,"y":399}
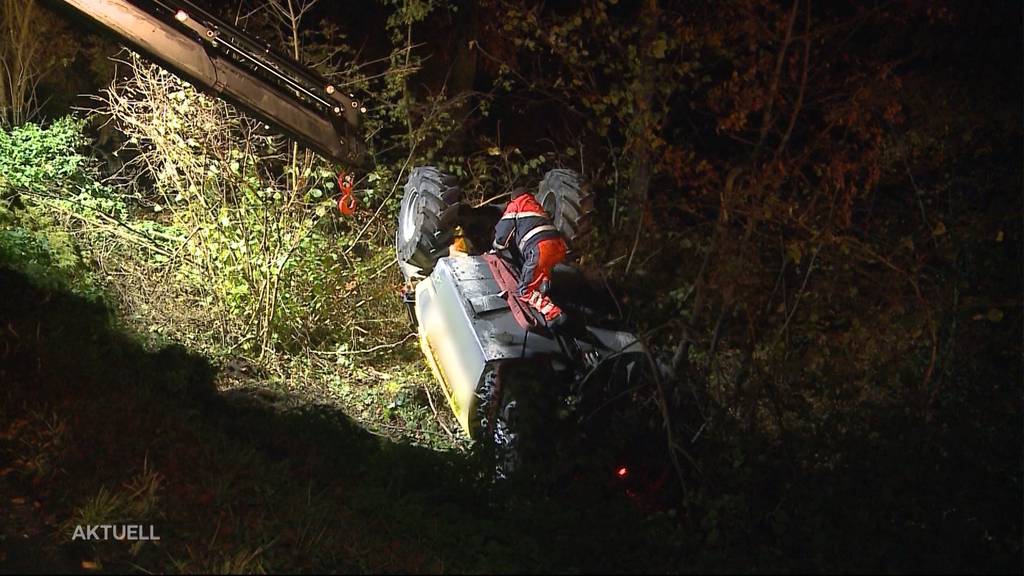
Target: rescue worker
{"x":525,"y":228}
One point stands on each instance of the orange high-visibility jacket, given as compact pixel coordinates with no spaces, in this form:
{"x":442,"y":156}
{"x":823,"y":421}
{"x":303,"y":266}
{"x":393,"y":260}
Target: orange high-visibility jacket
{"x":523,"y":225}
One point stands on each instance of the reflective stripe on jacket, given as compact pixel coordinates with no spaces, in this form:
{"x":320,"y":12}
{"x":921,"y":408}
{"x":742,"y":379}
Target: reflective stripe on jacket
{"x":523,"y":225}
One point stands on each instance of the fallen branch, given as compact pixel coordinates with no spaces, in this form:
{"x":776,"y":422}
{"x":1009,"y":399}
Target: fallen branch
{"x":137,"y":237}
{"x":437,"y":417}
{"x":366,"y":350}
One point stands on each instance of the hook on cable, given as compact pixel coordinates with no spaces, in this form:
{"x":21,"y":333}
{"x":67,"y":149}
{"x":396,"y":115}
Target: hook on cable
{"x":347,"y":202}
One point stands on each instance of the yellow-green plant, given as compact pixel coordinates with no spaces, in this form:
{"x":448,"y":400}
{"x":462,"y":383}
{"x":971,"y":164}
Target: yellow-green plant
{"x":244,"y":204}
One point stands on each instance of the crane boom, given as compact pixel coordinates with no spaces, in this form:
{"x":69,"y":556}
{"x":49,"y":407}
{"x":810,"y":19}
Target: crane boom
{"x":228,"y":63}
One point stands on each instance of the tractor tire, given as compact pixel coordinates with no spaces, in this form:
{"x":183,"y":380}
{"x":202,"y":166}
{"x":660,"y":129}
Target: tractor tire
{"x":567,"y":202}
{"x":494,"y":425}
{"x":426,"y":220}
{"x":515,"y":420}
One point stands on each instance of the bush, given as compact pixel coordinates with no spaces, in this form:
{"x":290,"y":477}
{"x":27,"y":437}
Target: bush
{"x":261,"y":266}
{"x":41,"y":169}
{"x":39,"y":160}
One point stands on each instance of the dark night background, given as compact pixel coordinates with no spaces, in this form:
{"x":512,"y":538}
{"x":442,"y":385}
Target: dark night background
{"x":811,"y":211}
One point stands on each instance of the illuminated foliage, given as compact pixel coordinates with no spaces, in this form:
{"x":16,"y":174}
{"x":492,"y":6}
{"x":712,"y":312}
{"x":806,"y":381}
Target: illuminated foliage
{"x":812,"y":211}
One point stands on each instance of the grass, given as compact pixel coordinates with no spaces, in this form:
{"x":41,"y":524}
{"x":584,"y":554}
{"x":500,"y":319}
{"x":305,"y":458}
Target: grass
{"x":343,"y":462}
{"x":100,"y":429}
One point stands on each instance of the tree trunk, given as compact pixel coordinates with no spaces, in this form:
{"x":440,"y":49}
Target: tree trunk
{"x":644,"y":121}
{"x":642,"y":126}
{"x":462,"y":79}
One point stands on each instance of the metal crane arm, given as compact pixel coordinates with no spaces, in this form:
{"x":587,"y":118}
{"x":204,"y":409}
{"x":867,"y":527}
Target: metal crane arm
{"x":230,"y":64}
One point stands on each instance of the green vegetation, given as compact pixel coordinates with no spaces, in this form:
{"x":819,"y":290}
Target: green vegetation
{"x":811,"y":211}
{"x":32,"y":208}
{"x":95,"y":428}
{"x":202,"y":288}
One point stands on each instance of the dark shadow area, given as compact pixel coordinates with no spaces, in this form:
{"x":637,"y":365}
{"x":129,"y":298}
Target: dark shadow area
{"x":87,"y":409}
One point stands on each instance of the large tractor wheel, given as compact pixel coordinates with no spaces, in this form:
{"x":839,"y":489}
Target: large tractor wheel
{"x":494,"y":424}
{"x":567,"y":202}
{"x":515,"y":418}
{"x":426,"y":220}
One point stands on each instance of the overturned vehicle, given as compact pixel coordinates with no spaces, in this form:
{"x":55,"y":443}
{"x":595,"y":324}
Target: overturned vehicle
{"x":525,"y":391}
